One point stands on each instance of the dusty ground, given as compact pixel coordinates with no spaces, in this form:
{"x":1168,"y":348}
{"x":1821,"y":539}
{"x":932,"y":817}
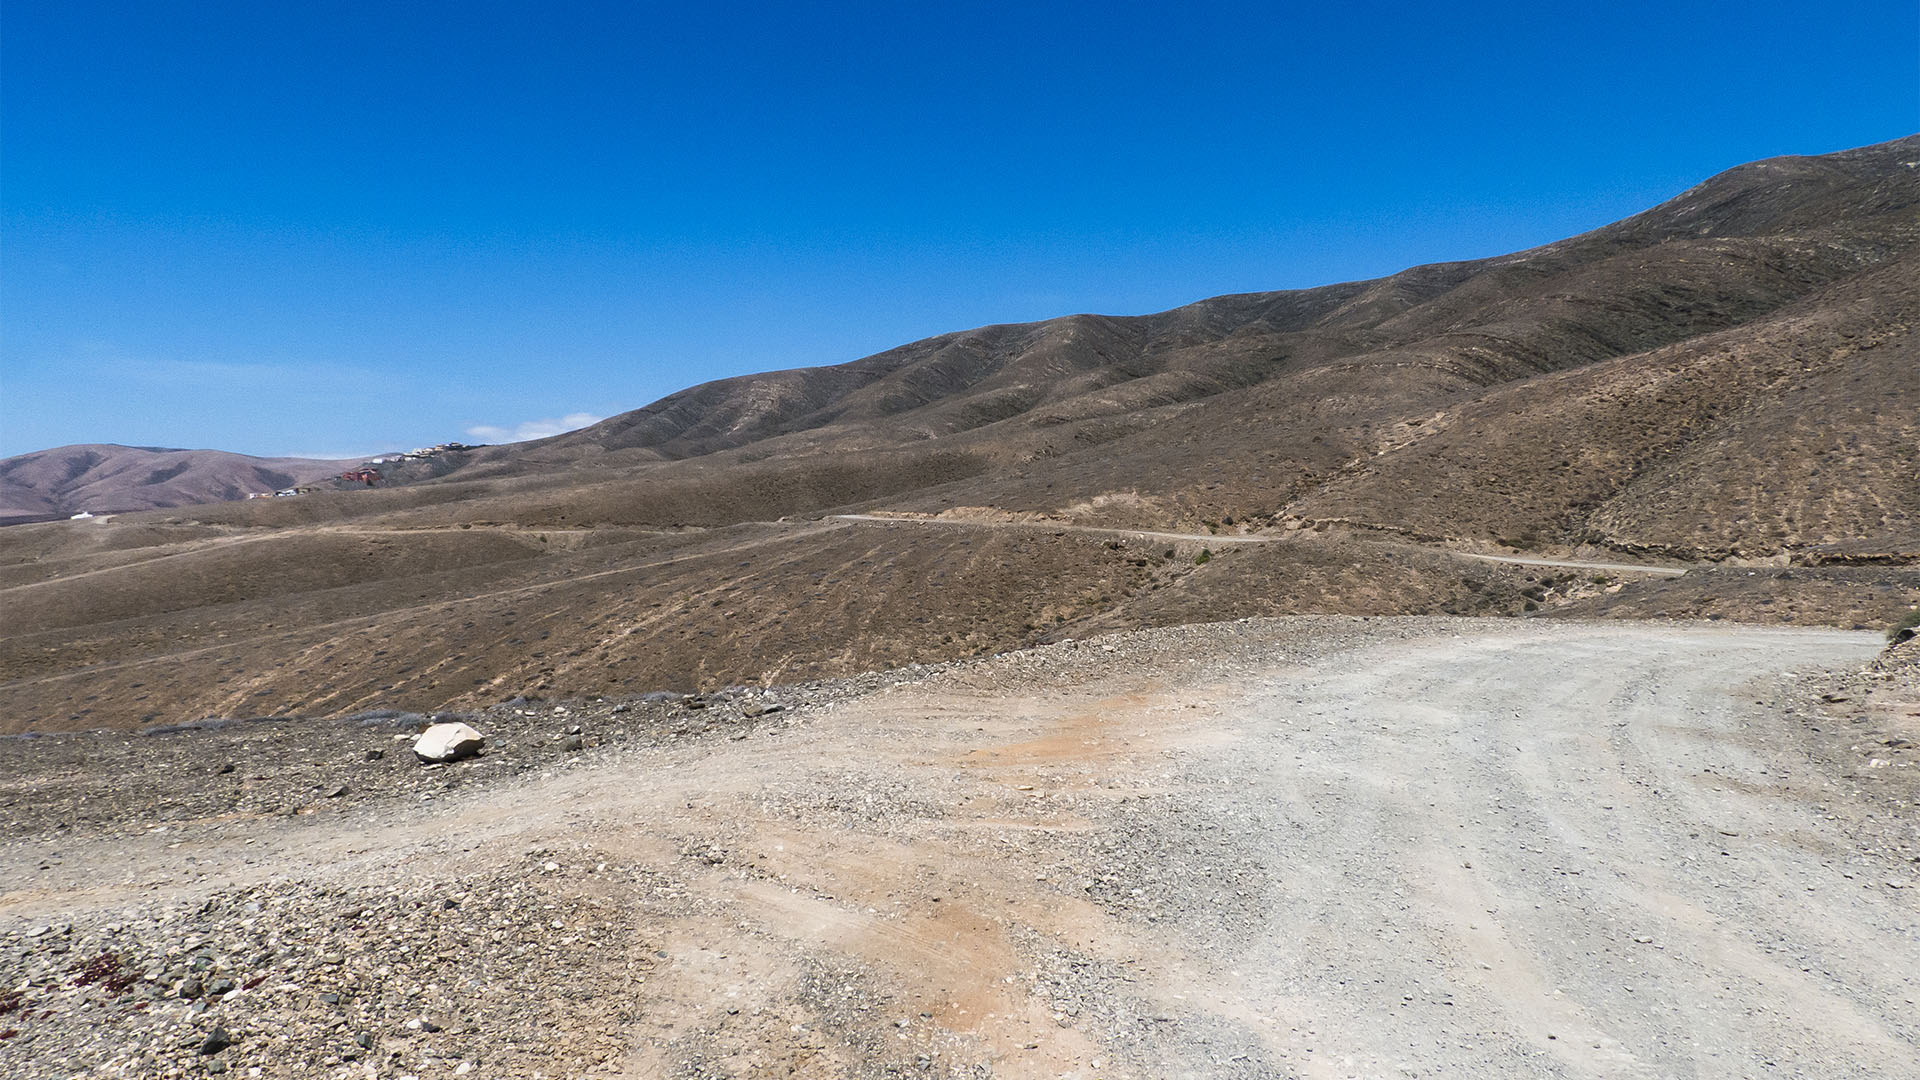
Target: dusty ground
{"x":166,"y":624}
{"x":1315,"y":847}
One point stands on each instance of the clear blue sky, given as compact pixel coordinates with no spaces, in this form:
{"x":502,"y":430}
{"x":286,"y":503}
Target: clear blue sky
{"x":336,"y":228}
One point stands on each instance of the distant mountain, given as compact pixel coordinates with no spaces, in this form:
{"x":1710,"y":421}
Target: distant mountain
{"x":104,"y":478}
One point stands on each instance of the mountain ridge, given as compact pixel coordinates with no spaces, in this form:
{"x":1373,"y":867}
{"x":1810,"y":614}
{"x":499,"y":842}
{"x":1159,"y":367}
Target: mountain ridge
{"x":1420,"y":306}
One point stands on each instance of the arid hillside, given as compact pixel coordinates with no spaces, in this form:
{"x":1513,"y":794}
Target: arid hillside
{"x":1727,"y":384}
{"x":104,"y":479}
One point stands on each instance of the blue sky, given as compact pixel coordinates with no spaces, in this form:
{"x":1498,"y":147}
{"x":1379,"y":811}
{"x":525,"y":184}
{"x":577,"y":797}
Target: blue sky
{"x":341,"y":228}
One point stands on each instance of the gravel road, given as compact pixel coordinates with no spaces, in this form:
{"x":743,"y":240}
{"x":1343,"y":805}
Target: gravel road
{"x":1219,"y":539}
{"x":1569,"y":564}
{"x":1300,"y":847}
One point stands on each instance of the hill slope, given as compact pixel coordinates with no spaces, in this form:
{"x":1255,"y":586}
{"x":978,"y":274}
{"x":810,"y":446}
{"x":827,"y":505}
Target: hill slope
{"x":1744,"y":244}
{"x":1727,"y":381}
{"x":1776,"y":295}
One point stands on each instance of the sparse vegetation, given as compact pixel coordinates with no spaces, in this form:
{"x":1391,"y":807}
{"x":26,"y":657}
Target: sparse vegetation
{"x":1203,"y":558}
{"x":1910,"y":622}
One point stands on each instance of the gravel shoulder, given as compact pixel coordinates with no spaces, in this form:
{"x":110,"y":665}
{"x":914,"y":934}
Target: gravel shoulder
{"x":1319,"y":847}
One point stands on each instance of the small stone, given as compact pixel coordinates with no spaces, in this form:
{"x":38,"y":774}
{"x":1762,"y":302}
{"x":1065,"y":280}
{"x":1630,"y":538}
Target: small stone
{"x":190,"y":989}
{"x":336,"y":791}
{"x":220,"y":987}
{"x":376,"y":755}
{"x":572,"y":743}
{"x":365,"y":1039}
{"x":226,"y":768}
{"x":216,"y":1041}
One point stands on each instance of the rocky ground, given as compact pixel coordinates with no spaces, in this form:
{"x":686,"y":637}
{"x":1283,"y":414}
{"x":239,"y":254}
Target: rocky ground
{"x":1312,"y":847}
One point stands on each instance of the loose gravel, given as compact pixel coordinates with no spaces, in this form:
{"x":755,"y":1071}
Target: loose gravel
{"x":1300,"y":847}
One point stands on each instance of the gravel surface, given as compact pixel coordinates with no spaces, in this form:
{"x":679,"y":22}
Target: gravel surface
{"x":1298,"y":847}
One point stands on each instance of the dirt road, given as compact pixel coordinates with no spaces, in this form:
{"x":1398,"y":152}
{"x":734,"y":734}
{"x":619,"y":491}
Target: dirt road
{"x":1055,"y":526}
{"x":1306,"y":847}
{"x":1570,"y":564}
{"x":1217,"y":539}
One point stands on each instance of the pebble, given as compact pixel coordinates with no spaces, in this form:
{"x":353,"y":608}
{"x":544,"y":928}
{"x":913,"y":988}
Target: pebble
{"x":217,"y":1040}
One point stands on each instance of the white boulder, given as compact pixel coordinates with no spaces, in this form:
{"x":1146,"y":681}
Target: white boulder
{"x":448,"y":742}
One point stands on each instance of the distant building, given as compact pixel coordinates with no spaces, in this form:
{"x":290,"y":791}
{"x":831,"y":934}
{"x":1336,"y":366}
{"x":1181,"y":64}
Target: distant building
{"x":81,"y":516}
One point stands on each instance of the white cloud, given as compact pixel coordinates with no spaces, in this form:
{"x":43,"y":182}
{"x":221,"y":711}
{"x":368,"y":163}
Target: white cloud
{"x":532,"y":429}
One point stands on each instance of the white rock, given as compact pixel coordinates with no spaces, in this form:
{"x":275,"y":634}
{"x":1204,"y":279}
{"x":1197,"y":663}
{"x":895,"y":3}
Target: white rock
{"x":448,"y":742}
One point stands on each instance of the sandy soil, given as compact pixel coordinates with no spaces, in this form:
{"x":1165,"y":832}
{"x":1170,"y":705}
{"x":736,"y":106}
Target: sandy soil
{"x":1303,"y":847}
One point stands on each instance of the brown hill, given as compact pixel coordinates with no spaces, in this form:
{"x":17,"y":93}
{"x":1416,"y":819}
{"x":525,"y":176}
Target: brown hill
{"x":1729,"y":377}
{"x":103,"y":478}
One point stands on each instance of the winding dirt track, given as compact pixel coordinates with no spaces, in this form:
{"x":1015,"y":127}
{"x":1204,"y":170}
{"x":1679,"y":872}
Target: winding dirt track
{"x":1250,"y":538}
{"x":1312,"y":847}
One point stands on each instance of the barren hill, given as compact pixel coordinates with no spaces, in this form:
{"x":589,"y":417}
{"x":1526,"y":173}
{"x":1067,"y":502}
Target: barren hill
{"x":1726,"y":382}
{"x":1820,"y":248}
{"x":104,"y":478}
